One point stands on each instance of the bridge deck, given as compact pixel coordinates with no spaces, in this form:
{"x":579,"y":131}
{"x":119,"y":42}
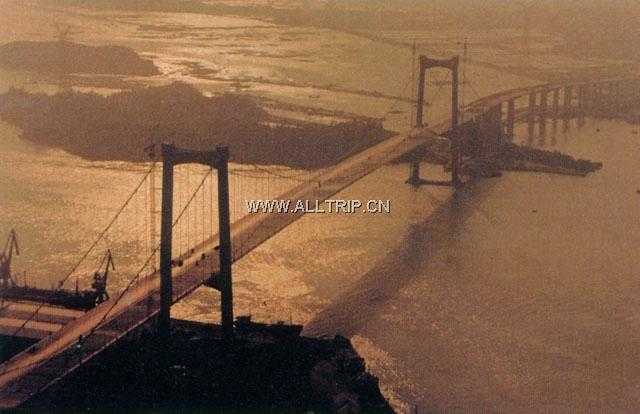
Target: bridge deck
{"x":57,"y":355}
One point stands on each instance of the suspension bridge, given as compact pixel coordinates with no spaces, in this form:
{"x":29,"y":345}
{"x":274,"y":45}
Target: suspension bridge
{"x":188,"y":256}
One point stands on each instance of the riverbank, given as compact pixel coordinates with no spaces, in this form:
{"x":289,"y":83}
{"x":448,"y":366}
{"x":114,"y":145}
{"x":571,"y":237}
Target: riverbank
{"x":266,"y":368}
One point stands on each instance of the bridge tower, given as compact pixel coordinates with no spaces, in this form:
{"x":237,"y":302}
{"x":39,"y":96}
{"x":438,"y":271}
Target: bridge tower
{"x":452,"y":64}
{"x":219,"y":160}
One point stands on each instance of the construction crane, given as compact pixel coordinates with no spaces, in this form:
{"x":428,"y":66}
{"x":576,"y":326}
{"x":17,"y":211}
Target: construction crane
{"x":78,"y":299}
{"x":99,"y":284}
{"x":10,"y":246}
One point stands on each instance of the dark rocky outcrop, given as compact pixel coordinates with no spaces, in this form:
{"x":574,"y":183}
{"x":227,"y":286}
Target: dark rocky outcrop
{"x":503,"y":156}
{"x":121,"y":126}
{"x":266,"y":368}
{"x":63,"y":57}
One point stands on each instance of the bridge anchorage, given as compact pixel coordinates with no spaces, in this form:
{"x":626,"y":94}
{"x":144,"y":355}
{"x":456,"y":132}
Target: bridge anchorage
{"x":426,"y":63}
{"x":219,"y":160}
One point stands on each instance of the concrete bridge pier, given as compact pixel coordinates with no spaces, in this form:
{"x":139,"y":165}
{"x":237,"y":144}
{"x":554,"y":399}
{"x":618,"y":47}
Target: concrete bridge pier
{"x":556,"y":104}
{"x":556,"y":114}
{"x":591,"y":98}
{"x":616,"y":96}
{"x":587,"y":96}
{"x":593,"y":92}
{"x":531,"y":118}
{"x":511,"y":118}
{"x":624,"y":95}
{"x":544,"y":102}
{"x":498,"y":124}
{"x":604,"y":99}
{"x":582,"y":105}
{"x":490,"y":133}
{"x":566,"y":124}
{"x":494,"y":125}
{"x":567,"y":108}
{"x":601,"y":96}
{"x":568,"y":101}
{"x":631,"y":94}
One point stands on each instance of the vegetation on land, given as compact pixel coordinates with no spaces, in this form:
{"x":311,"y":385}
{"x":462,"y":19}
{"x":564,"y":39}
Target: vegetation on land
{"x":123,"y":125}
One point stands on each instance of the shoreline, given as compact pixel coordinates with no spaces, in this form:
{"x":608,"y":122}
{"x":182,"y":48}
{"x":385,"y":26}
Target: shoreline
{"x":265,"y":368}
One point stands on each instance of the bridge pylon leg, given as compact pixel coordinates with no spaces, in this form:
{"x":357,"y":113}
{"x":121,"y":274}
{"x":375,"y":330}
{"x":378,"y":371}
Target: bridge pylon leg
{"x":224,"y":222}
{"x":166,"y":237}
{"x":456,"y":151}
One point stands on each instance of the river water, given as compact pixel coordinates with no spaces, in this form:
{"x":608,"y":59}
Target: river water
{"x":517,"y":296}
{"x":521,"y":296}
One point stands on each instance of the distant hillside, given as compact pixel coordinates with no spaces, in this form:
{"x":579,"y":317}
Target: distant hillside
{"x":62,"y":57}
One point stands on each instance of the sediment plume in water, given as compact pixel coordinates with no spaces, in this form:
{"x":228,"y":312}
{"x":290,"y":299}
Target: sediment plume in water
{"x":123,"y":125}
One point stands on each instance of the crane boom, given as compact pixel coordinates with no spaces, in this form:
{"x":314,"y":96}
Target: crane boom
{"x":10,"y":246}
